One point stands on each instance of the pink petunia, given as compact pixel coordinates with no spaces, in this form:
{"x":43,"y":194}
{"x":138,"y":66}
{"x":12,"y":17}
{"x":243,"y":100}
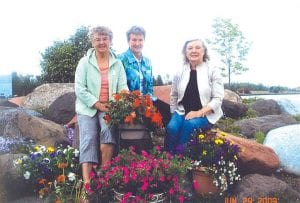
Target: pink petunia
{"x":196,"y":185}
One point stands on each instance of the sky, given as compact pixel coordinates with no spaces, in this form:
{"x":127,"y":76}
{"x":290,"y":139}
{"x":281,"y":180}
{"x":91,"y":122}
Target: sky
{"x":29,"y":27}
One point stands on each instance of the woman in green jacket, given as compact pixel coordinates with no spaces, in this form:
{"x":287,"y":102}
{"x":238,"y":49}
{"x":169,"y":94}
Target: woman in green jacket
{"x":98,"y":76}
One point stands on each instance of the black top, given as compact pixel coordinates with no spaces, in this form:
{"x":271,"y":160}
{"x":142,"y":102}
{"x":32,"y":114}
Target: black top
{"x":191,"y":99}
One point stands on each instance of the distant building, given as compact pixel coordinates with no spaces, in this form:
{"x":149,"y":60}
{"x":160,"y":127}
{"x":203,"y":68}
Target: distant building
{"x":5,"y":86}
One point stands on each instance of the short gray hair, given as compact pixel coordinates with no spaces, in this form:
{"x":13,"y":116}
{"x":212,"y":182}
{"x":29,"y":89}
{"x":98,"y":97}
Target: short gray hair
{"x":205,"y":56}
{"x":102,"y":30}
{"x":137,"y":30}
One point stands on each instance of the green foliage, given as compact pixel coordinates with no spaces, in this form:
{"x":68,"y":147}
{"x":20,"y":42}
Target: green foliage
{"x":297,"y":117}
{"x":259,"y":137}
{"x":23,"y":85}
{"x":59,"y":61}
{"x":226,"y":125}
{"x":230,"y":43}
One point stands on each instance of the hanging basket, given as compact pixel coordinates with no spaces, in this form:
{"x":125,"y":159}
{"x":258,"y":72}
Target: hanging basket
{"x":204,"y":182}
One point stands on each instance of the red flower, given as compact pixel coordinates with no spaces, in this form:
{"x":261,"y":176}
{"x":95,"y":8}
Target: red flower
{"x":136,"y":103}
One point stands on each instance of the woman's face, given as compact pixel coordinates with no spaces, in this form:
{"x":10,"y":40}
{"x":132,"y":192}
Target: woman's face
{"x":136,"y":43}
{"x":101,"y":42}
{"x":195,"y":51}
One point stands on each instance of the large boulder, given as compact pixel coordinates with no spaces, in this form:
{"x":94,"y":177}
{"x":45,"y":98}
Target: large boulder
{"x":162,"y":93}
{"x":12,"y":185}
{"x":264,"y":107}
{"x":18,"y":123}
{"x":254,"y":157}
{"x":43,"y":96}
{"x":234,"y":109}
{"x":232,"y":96}
{"x":285,"y":141}
{"x":260,"y":188}
{"x":248,"y":127}
{"x":62,"y":110}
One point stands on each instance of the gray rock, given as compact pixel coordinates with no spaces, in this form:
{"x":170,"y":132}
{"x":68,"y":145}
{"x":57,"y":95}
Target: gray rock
{"x":266,"y":107}
{"x":17,"y":123}
{"x":43,"y":96}
{"x":233,"y":109}
{"x":285,"y":141}
{"x":62,"y":110}
{"x":257,"y":187}
{"x":248,"y":127}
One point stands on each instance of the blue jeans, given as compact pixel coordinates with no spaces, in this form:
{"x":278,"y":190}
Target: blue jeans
{"x":179,"y":130}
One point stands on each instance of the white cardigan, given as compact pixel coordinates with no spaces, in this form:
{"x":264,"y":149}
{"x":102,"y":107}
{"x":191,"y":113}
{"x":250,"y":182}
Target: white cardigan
{"x":210,"y":87}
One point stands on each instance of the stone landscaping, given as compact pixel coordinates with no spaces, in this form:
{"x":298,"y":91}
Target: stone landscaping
{"x":269,"y":170}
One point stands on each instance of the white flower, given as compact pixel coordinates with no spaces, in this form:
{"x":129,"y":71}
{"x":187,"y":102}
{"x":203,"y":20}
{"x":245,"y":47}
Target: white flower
{"x":46,"y":160}
{"x":71,"y":176}
{"x":76,"y":152}
{"x":27,"y":175}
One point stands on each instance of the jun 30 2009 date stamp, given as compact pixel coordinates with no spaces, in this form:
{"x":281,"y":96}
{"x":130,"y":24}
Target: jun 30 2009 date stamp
{"x":252,"y":200}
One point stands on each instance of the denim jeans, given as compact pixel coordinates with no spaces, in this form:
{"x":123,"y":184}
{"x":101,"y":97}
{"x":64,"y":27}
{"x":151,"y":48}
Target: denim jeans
{"x":179,"y":130}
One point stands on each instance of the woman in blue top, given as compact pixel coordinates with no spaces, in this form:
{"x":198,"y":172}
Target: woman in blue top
{"x":138,"y":67}
{"x":196,"y":96}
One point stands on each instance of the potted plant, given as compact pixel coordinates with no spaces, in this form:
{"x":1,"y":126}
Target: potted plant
{"x":132,"y":108}
{"x":153,"y":176}
{"x":213,"y":157}
{"x":135,"y":118}
{"x":54,"y":171}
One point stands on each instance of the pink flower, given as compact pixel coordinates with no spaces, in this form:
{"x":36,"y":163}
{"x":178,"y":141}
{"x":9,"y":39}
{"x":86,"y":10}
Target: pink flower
{"x":145,"y":186}
{"x":195,"y":184}
{"x":181,"y":198}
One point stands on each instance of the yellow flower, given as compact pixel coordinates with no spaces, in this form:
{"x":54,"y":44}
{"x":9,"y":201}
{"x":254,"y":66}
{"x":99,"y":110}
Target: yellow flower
{"x":204,"y":152}
{"x":50,"y":149}
{"x":37,"y":148}
{"x":18,"y":161}
{"x":201,"y":136}
{"x":218,"y":141}
{"x":223,"y":134}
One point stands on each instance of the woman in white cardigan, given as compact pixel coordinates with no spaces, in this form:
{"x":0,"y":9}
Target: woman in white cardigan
{"x":196,"y":96}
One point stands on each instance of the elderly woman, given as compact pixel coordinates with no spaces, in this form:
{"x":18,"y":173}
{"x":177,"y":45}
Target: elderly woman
{"x":98,"y":76}
{"x":196,"y":96}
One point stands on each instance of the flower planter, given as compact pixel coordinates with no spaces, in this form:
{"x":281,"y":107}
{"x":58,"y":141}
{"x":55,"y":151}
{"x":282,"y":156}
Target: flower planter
{"x":136,"y":135}
{"x":156,"y":198}
{"x":133,"y":132}
{"x":204,"y":182}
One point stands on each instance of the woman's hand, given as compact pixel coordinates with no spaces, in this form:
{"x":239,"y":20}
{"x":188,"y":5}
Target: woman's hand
{"x":200,"y":113}
{"x":101,"y":106}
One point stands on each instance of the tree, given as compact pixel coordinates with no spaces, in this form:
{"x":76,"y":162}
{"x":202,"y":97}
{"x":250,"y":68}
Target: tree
{"x":159,"y":81}
{"x":59,"y":61}
{"x":23,"y":85}
{"x":230,"y":43}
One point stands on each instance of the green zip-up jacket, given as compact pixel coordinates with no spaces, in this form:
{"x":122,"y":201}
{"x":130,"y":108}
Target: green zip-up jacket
{"x":88,"y":81}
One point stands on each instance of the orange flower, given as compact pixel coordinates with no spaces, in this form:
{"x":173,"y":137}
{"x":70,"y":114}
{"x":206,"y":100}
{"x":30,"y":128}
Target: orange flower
{"x":157,"y":119}
{"x":62,"y":165}
{"x":148,"y":101}
{"x":58,"y":201}
{"x":136,"y":92}
{"x":128,"y":119}
{"x":136,"y":103}
{"x":148,"y":112}
{"x":116,"y":97}
{"x":42,"y":181}
{"x":61,"y":178}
